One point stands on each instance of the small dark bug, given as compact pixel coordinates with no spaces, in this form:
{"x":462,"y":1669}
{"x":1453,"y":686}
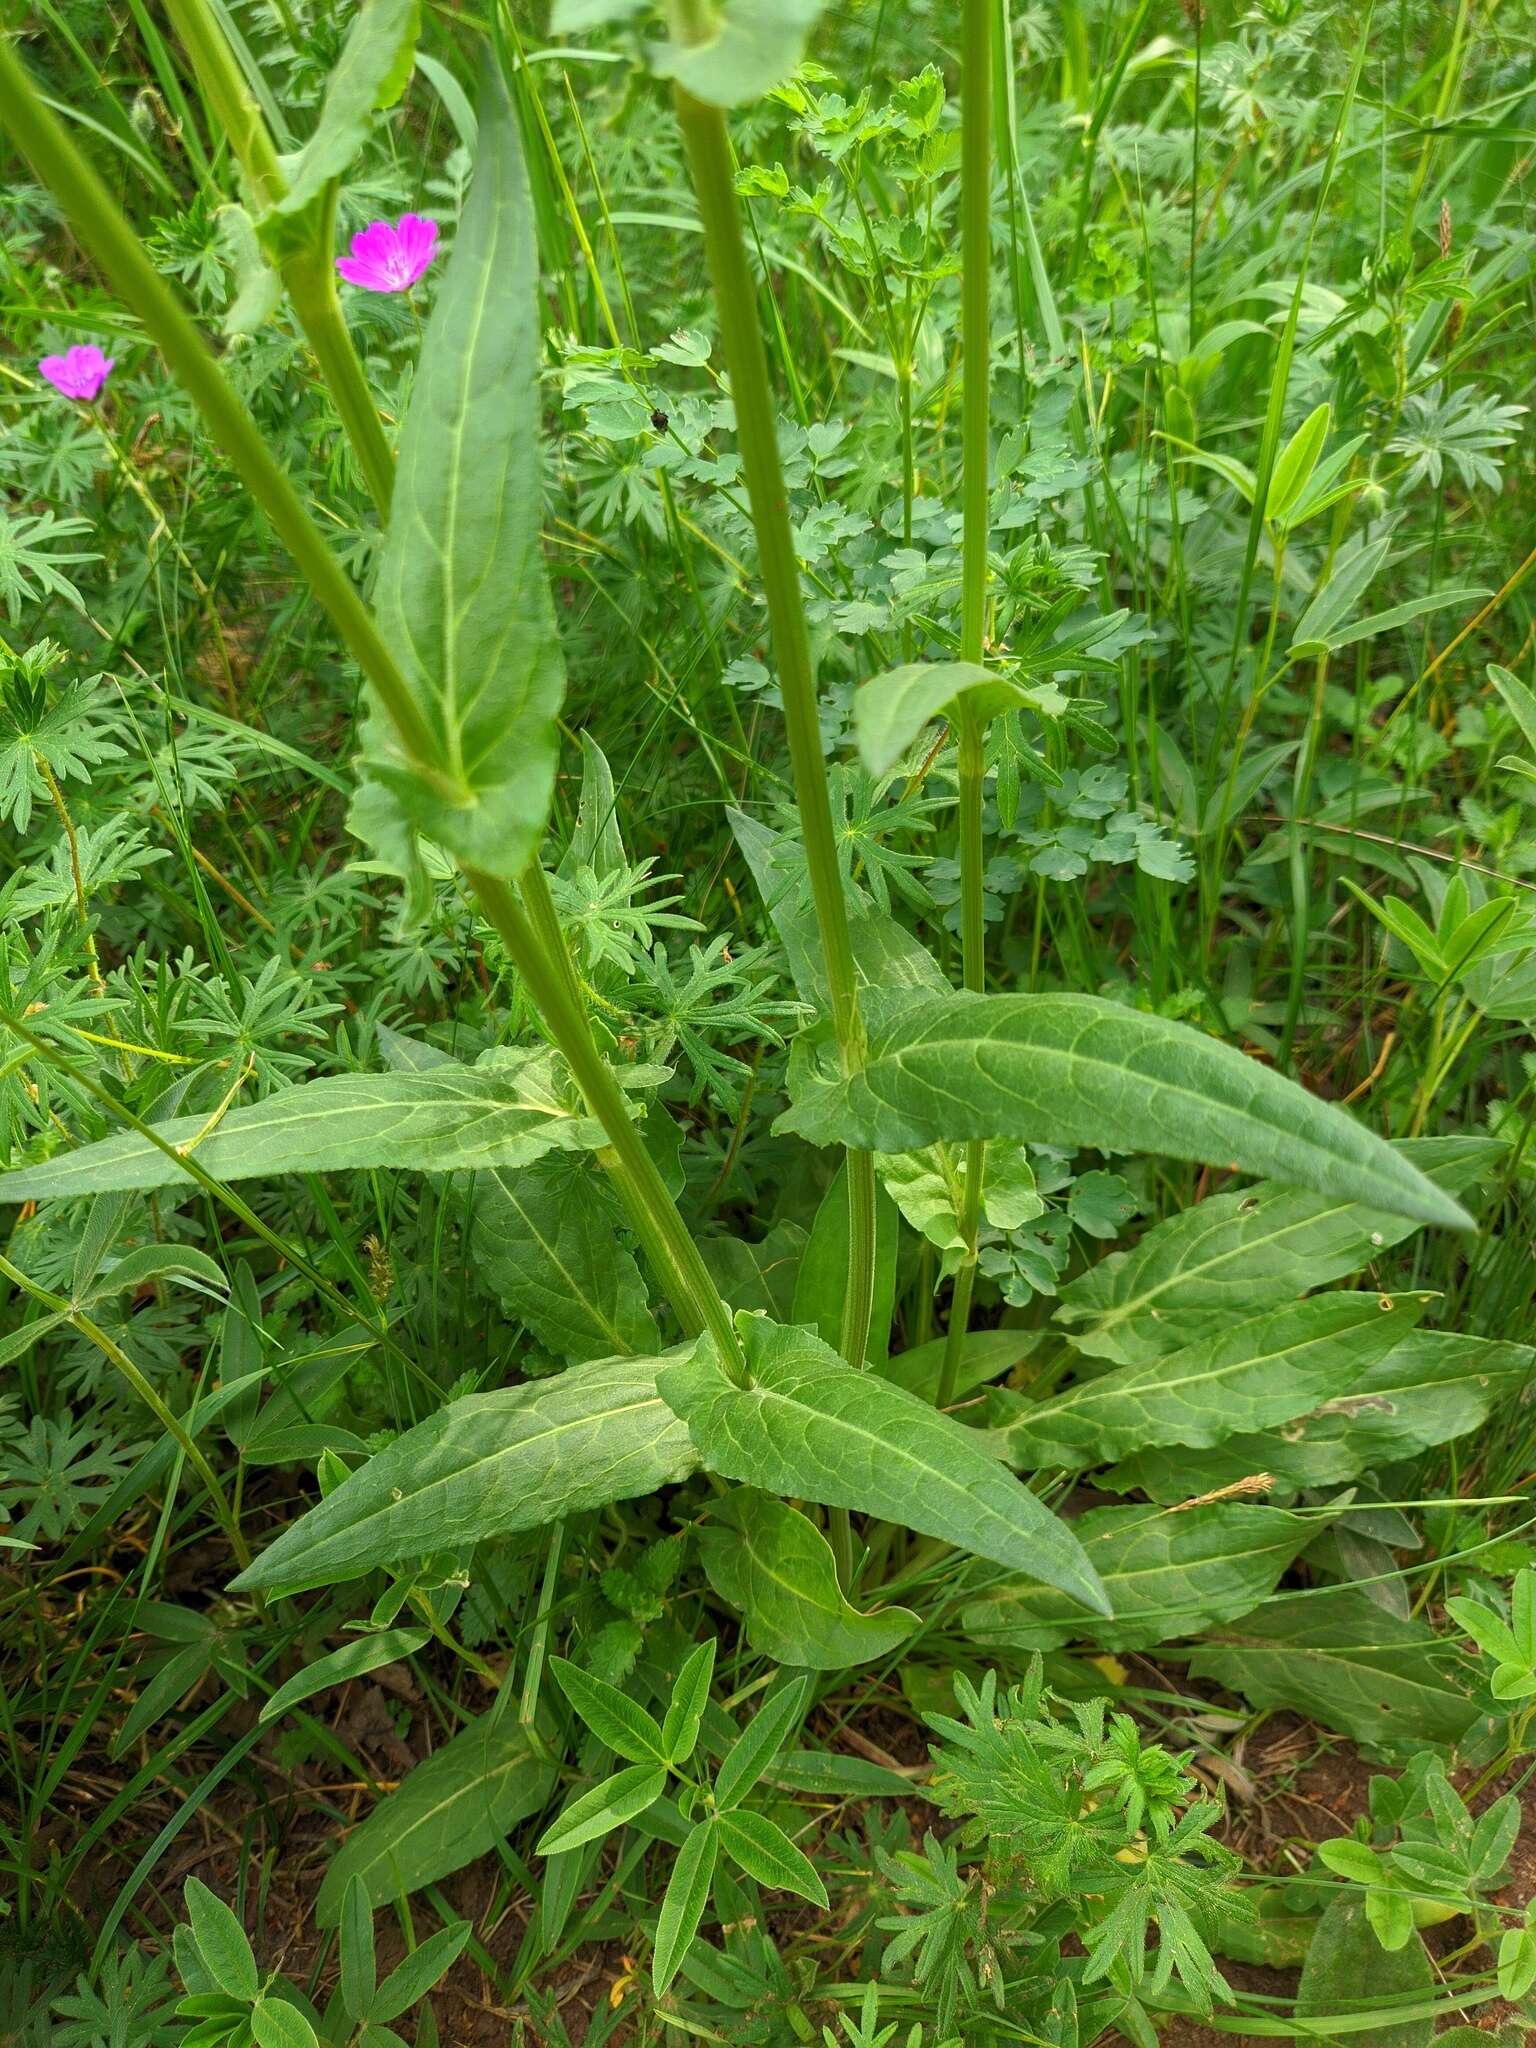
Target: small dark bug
{"x":660,"y":421}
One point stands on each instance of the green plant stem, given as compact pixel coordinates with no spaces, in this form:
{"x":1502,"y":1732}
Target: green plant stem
{"x":309,"y":272}
{"x":975,"y":422}
{"x":708,"y":150}
{"x":666,"y":1237}
{"x":109,"y":239}
{"x":122,"y":1363}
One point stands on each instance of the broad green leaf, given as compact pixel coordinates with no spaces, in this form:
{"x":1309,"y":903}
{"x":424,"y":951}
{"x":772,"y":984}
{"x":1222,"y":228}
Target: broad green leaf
{"x":682,"y":1905}
{"x":760,"y":1276}
{"x":810,"y":1427}
{"x":1079,"y":1070}
{"x":545,"y":1242}
{"x":1243,"y":1375}
{"x":606,"y":1807}
{"x":1431,"y":1387}
{"x":221,"y":1941}
{"x":422,"y":1968}
{"x":890,"y":710}
{"x":1345,"y":1662}
{"x":463,"y":595}
{"x":755,"y":44}
{"x":1234,"y":1252}
{"x":371,"y":73}
{"x":485,"y":1466}
{"x":765,"y":1852}
{"x":1349,"y":1975}
{"x":1167,"y":1575}
{"x":352,"y":1660}
{"x":619,"y":1723}
{"x":1295,"y":463}
{"x":760,"y":1741}
{"x":774,"y":1566}
{"x":821,"y":1283}
{"x":885,"y":953}
{"x":502,"y":1114}
{"x":452,"y":1808}
{"x":277,"y":2024}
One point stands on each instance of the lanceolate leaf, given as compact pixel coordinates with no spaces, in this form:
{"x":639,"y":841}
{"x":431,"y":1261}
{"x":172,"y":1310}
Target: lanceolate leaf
{"x":485,"y":1466}
{"x":463,"y":596}
{"x":435,"y":1122}
{"x":1433,"y":1386}
{"x":1340,"y":1658}
{"x":774,"y":1566}
{"x":452,"y":1808}
{"x":821,"y":1284}
{"x":545,"y":1242}
{"x":1079,"y":1070}
{"x":1167,"y":1575}
{"x":371,"y":73}
{"x":1234,"y":1252}
{"x":1245,"y":1375}
{"x":812,"y":1428}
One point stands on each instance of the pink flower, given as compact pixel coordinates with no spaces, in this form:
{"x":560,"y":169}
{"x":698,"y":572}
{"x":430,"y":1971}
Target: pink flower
{"x":390,"y":259}
{"x":80,"y":372}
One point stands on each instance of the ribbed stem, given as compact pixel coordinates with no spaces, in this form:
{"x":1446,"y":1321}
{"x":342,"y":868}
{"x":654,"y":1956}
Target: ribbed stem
{"x":708,"y":150}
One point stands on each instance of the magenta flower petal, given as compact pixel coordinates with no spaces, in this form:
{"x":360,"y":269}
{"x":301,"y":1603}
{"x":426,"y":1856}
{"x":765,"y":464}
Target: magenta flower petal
{"x":80,"y":372}
{"x":389,"y":258}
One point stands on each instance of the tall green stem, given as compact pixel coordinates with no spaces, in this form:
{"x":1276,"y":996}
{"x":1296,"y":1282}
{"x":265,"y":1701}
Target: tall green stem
{"x":308,"y":272}
{"x":109,"y":239}
{"x":709,"y":160}
{"x":975,"y":425}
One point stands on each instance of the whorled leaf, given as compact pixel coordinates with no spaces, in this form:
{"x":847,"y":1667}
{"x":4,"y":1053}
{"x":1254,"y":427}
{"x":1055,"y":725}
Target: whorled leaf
{"x":1079,"y":1070}
{"x":485,"y":1466}
{"x":810,"y":1427}
{"x":463,"y":596}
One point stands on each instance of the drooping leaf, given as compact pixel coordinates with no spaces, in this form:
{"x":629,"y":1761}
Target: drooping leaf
{"x":754,"y":45}
{"x":452,"y":1808}
{"x":443,"y":1121}
{"x":812,"y":1428}
{"x":774,"y":1566}
{"x":485,"y":1466}
{"x":821,"y":1282}
{"x":1349,"y":1975}
{"x":885,"y":953}
{"x":1243,"y":1375}
{"x":1345,"y":1662}
{"x":1079,"y":1070}
{"x":890,"y":710}
{"x":463,"y":596}
{"x":1431,"y":1387}
{"x":545,"y":1241}
{"x":1234,"y":1252}
{"x":1167,"y":1575}
{"x":371,"y":73}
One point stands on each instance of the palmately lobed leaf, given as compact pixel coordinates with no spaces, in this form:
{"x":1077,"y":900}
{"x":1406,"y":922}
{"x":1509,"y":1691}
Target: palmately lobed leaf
{"x":1080,"y":1070}
{"x":463,"y":595}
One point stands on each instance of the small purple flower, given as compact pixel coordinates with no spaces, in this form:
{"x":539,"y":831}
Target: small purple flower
{"x":80,"y":372}
{"x":390,"y":259}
